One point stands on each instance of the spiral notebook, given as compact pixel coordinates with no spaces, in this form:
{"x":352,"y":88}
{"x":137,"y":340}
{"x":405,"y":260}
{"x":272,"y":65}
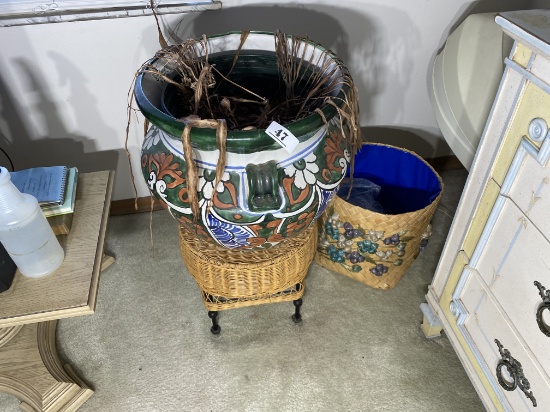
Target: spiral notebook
{"x":47,"y":183}
{"x":70,"y":196}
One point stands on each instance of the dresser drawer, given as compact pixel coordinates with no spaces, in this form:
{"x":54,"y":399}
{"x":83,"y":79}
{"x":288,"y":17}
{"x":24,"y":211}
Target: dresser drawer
{"x":528,"y":184}
{"x":482,"y":323}
{"x":510,"y":257}
{"x":533,"y":103}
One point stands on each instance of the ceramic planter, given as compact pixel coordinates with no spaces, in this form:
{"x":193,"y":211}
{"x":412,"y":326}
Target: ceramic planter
{"x":266,"y":194}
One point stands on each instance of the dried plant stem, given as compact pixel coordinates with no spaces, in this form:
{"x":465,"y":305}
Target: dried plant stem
{"x":129,"y":119}
{"x":199,"y":89}
{"x":192,"y":172}
{"x":320,"y":113}
{"x":162,"y":40}
{"x":221,"y":137}
{"x":192,"y":169}
{"x":244,"y":36}
{"x":151,"y":223}
{"x":146,"y":124}
{"x":263,"y":99}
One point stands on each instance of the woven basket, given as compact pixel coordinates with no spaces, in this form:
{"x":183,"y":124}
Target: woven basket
{"x":232,"y":278}
{"x":386,"y":243}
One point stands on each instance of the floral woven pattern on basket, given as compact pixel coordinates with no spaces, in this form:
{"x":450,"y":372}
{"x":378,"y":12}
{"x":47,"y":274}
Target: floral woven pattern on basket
{"x":350,"y":246}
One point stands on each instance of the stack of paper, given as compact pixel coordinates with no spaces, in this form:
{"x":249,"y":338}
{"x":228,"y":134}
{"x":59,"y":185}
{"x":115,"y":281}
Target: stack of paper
{"x":55,"y":189}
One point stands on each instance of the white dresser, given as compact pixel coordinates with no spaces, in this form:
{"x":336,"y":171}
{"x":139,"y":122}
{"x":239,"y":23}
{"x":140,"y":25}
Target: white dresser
{"x":489,"y":293}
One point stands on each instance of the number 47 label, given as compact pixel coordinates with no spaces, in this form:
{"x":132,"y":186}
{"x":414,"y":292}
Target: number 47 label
{"x":283,"y":136}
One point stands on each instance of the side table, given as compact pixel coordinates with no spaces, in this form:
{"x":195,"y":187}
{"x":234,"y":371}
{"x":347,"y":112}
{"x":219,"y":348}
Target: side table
{"x":30,"y":368}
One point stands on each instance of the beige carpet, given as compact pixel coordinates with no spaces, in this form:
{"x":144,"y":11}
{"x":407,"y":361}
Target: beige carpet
{"x":148,"y":347}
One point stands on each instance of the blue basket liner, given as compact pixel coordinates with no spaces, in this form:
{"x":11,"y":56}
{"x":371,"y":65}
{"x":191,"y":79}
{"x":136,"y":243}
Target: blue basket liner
{"x":407,"y":183}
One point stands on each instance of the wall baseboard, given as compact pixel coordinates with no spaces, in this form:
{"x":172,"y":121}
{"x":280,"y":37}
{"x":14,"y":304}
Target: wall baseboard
{"x":442,"y":163}
{"x":128,"y":206}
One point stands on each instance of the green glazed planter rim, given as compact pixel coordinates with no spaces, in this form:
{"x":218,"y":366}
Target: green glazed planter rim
{"x":239,"y":141}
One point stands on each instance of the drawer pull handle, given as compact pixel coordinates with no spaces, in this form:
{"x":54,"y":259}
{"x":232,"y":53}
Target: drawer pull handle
{"x":545,"y":305}
{"x":516,"y":372}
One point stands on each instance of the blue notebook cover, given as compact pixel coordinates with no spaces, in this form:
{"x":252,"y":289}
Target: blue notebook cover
{"x":47,"y":184}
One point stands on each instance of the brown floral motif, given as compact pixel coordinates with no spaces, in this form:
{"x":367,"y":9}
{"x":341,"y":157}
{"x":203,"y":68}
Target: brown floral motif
{"x":287,"y":185}
{"x":182,"y":195}
{"x":166,"y":166}
{"x":230,"y":187}
{"x":303,"y":221}
{"x":334,"y":152}
{"x":262,"y":230}
{"x":255,"y":242}
{"x":274,"y":223}
{"x":255,"y":228}
{"x":268,"y":230}
{"x":276,"y":238}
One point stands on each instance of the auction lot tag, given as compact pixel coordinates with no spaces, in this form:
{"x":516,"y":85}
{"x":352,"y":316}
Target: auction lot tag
{"x":282,"y":136}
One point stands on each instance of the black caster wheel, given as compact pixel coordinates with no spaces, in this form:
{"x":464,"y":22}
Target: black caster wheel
{"x":215,"y":329}
{"x":297,"y":317}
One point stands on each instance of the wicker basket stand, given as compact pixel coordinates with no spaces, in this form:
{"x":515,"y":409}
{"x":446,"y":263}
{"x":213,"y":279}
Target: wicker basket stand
{"x":231,"y":279}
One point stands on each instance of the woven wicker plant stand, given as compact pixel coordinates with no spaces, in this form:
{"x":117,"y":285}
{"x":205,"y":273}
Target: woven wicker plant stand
{"x":231,"y":279}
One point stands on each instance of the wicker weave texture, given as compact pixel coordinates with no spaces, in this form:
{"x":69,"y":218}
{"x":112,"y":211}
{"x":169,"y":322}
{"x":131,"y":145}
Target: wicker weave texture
{"x":244,"y":276}
{"x":410,"y":229}
{"x":221,"y":303}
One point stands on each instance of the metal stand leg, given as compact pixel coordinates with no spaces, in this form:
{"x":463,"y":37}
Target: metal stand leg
{"x":215,"y":329}
{"x":297,"y":318}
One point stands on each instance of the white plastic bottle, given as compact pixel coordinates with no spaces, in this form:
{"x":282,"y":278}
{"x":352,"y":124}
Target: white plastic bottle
{"x":25,"y":232}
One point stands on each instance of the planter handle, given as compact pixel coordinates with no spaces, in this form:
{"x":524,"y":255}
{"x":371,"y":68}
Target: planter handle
{"x":263,"y":181}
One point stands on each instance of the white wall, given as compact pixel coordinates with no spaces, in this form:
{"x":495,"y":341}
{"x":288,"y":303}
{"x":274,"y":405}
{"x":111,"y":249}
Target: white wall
{"x":63,"y":87}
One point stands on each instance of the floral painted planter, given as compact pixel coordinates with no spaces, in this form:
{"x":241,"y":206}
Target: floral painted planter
{"x":266,"y":194}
